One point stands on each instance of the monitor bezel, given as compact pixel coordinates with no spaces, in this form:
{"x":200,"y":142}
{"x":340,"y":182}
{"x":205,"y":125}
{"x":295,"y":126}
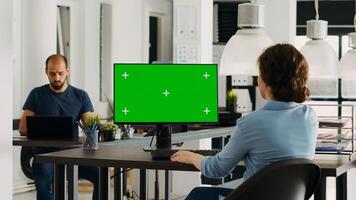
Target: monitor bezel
{"x":164,"y":123}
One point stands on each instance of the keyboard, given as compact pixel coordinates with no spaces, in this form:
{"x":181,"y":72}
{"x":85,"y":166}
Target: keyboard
{"x":165,"y":154}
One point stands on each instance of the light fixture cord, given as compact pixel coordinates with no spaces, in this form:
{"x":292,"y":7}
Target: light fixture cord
{"x":316,"y":3}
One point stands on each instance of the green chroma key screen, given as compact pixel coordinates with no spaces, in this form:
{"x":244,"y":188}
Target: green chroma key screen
{"x":165,"y":93}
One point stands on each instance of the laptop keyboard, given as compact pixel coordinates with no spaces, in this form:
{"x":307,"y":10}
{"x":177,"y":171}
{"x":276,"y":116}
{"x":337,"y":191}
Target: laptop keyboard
{"x":165,"y":154}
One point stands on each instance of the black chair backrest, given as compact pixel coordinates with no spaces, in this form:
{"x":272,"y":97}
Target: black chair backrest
{"x":291,"y":179}
{"x":15,"y":124}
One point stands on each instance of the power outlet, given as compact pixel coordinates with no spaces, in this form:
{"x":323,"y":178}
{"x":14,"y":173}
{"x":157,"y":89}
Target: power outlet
{"x":244,"y":103}
{"x":241,"y":80}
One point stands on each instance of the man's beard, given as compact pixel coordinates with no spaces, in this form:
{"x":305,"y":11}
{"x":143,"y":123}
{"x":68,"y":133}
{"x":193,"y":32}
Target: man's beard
{"x":57,"y":85}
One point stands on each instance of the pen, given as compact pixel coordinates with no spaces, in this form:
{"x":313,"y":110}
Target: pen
{"x":80,"y":125}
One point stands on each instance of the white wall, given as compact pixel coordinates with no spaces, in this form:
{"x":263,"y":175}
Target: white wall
{"x":91,"y":50}
{"x":38,"y":41}
{"x":280,"y":19}
{"x":280,"y":26}
{"x":163,"y":10}
{"x":34,"y":39}
{"x":16,"y":70}
{"x":77,"y":35}
{"x":35,"y":33}
{"x":85,"y":48}
{"x":6,"y":63}
{"x":127,"y":31}
{"x":130,"y":31}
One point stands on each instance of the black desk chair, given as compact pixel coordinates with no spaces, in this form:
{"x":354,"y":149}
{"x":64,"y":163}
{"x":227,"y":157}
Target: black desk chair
{"x":292,"y":179}
{"x":26,"y":155}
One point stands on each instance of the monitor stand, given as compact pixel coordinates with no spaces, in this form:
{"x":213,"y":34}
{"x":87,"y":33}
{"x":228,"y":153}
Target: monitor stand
{"x":163,"y":135}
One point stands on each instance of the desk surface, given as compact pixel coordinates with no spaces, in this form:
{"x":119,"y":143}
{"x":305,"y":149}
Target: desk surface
{"x":129,"y":154}
{"x":333,"y":164}
{"x":179,"y":137}
{"x":111,"y":156}
{"x":134,"y":157}
{"x":23,"y":141}
{"x":18,"y":140}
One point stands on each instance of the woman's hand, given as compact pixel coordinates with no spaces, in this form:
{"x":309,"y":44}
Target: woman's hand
{"x":187,"y":157}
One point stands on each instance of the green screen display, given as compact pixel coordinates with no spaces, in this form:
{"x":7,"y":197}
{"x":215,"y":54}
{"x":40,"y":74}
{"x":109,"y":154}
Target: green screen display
{"x":165,"y":93}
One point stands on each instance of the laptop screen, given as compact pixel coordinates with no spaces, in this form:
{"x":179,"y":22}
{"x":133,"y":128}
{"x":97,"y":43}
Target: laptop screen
{"x":50,"y":127}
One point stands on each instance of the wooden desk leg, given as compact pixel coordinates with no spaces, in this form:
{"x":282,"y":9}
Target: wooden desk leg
{"x":72,"y":177}
{"x":59,"y":182}
{"x":341,"y":187}
{"x":143,"y":184}
{"x":103,"y":183}
{"x":118,"y":184}
{"x":168,"y":185}
{"x":320,"y":193}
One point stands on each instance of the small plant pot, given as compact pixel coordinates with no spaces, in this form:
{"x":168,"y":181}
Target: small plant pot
{"x":232,"y":108}
{"x":108,"y":135}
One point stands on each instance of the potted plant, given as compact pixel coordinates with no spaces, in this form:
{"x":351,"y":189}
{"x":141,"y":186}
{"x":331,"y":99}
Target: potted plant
{"x":91,"y":123}
{"x":231,"y":100}
{"x":108,"y":131}
{"x":90,"y":130}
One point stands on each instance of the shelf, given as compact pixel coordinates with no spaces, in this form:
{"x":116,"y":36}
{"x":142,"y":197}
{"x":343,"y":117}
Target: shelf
{"x":335,"y":133}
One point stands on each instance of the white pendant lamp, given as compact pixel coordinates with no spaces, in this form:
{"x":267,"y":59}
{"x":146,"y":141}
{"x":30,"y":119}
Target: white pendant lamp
{"x":242,"y":50}
{"x":347,"y":68}
{"x":321,"y":57}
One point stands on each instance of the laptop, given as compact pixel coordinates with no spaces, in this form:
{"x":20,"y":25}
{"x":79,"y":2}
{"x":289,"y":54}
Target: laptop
{"x":50,"y":127}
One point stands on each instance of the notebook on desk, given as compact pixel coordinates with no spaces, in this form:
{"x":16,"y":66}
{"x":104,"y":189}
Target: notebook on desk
{"x":50,"y":127}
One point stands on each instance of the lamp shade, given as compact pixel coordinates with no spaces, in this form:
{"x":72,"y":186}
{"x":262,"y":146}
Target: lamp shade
{"x":242,"y":50}
{"x":347,"y":65}
{"x":321,"y":57}
{"x":347,"y":69}
{"x":322,"y":61}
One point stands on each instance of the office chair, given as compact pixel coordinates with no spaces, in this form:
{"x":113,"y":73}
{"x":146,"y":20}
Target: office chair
{"x":291,"y":179}
{"x":26,"y":155}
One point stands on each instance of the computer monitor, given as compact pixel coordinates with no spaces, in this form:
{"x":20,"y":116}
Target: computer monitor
{"x":165,"y":93}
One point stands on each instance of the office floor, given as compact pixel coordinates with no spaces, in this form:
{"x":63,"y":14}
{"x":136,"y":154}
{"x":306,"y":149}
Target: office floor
{"x":85,"y":193}
{"x":23,"y":188}
{"x":82,"y":196}
{"x":32,"y":196}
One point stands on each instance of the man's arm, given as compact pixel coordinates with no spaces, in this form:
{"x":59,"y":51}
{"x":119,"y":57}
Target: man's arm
{"x":85,"y":117}
{"x":22,"y":126}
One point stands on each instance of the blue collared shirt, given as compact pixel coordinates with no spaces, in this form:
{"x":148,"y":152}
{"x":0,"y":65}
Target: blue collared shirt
{"x":277,"y":131}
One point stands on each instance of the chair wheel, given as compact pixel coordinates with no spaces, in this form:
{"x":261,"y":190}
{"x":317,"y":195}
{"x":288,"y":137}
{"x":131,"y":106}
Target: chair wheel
{"x":26,"y":159}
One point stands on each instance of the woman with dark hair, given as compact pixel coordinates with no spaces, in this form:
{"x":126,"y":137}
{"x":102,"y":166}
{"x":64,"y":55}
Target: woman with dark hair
{"x":282,"y":129}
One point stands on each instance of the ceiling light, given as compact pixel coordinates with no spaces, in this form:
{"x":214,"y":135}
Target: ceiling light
{"x":347,"y":67}
{"x":321,"y":58}
{"x":242,"y":50}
